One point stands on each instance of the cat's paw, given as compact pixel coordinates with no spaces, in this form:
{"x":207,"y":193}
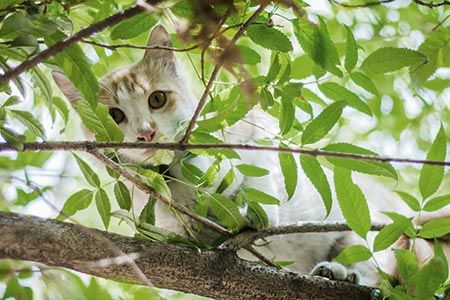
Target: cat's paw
{"x":336,"y":271}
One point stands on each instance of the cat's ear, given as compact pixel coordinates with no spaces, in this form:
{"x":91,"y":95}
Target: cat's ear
{"x":159,"y":37}
{"x":66,"y":86}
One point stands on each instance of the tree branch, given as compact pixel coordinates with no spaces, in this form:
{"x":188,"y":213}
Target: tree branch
{"x":218,"y":274}
{"x":367,"y":4}
{"x":60,"y":46}
{"x":87,"y":146}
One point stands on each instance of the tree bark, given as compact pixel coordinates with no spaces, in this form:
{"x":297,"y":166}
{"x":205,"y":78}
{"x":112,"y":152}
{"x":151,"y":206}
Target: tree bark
{"x":219,"y":274}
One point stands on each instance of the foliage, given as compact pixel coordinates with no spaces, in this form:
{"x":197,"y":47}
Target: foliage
{"x":350,"y":81}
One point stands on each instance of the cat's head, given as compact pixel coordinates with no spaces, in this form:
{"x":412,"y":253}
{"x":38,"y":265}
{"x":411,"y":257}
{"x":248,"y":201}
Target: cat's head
{"x":150,"y":100}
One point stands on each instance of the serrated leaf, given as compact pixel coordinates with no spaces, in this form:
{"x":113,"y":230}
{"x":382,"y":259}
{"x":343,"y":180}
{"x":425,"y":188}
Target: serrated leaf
{"x":257,"y":215}
{"x":148,"y":212}
{"x":249,"y":56}
{"x":90,"y":176}
{"x":353,"y":254}
{"x":431,"y":176}
{"x":76,"y":202}
{"x":123,"y":196}
{"x":351,"y":51}
{"x":410,"y":200}
{"x":435,"y":228}
{"x":363,"y":166}
{"x":287,"y":114}
{"x":226,"y":182}
{"x":289,"y":170}
{"x":323,"y":123}
{"x":364,"y":82}
{"x":155,"y":181}
{"x":133,"y":26}
{"x":12,"y":138}
{"x":251,"y":170}
{"x":337,"y":92}
{"x":76,"y":66}
{"x":437,"y":203}
{"x":352,"y":202}
{"x":407,"y":267}
{"x":226,"y":211}
{"x":315,"y":173}
{"x":103,"y":206}
{"x":254,"y":195}
{"x":390,"y":234}
{"x":390,"y":59}
{"x":270,"y":38}
{"x":29,"y":121}
{"x":98,"y":121}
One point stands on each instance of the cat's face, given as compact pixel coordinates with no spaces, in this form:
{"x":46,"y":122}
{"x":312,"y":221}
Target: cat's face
{"x":150,"y":100}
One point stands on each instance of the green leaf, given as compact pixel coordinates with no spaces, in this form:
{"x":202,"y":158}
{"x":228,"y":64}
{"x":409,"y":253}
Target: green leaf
{"x":407,"y":267}
{"x":122,"y":195}
{"x":103,"y":206}
{"x":323,"y":123}
{"x":315,"y":173}
{"x":249,"y":56}
{"x":437,"y":203}
{"x":353,"y":254}
{"x":227,"y":180}
{"x":287,"y":115}
{"x":352,"y":202}
{"x":12,"y":138}
{"x":76,"y":66}
{"x":88,"y":173}
{"x":337,"y":92}
{"x":148,"y":212}
{"x":257,"y":196}
{"x":289,"y":170}
{"x":430,"y":278}
{"x":155,"y":181}
{"x":257,"y":215}
{"x":30,"y":121}
{"x":390,"y":59}
{"x":439,"y":252}
{"x":251,"y":170}
{"x":14,"y":26}
{"x":363,"y":166}
{"x":351,"y":51}
{"x":226,"y":211}
{"x":364,"y":82}
{"x":98,"y":121}
{"x":274,"y":69}
{"x":270,"y":38}
{"x":133,"y":26}
{"x":76,"y":202}
{"x":431,"y":176}
{"x":13,"y":100}
{"x":435,"y":228}
{"x":412,"y":201}
{"x":390,"y":234}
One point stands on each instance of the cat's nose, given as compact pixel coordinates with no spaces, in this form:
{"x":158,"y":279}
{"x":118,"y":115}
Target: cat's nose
{"x":146,"y":136}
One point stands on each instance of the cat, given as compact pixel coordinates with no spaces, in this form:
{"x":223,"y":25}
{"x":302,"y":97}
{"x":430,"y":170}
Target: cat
{"x":151,"y":100}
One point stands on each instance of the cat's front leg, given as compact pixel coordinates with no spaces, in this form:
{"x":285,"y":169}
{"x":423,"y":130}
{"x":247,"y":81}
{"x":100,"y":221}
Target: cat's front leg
{"x":336,"y":271}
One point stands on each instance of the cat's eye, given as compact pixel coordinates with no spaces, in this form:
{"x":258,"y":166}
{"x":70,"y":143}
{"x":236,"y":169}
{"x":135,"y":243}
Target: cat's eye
{"x":117,"y":114}
{"x":157,"y":99}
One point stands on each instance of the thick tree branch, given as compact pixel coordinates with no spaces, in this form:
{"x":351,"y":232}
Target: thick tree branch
{"x":87,"y":146}
{"x":60,"y":46}
{"x":219,"y":274}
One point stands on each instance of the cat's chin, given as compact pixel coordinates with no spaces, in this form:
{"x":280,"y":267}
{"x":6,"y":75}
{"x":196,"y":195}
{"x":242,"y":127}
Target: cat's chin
{"x":147,"y":157}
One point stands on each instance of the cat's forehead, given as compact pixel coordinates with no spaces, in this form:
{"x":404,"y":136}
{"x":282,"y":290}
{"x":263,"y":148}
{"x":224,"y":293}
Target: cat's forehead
{"x":125,"y":81}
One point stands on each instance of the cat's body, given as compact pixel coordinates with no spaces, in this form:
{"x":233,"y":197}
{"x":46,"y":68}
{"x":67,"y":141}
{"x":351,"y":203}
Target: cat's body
{"x":152,"y":99}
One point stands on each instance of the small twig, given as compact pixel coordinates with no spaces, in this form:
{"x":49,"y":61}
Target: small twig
{"x":246,"y":238}
{"x":440,"y":23}
{"x":368,"y":4}
{"x":158,"y":47}
{"x":88,"y":146}
{"x":432,"y":4}
{"x":173,"y":204}
{"x":217,"y":68}
{"x":261,"y":257}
